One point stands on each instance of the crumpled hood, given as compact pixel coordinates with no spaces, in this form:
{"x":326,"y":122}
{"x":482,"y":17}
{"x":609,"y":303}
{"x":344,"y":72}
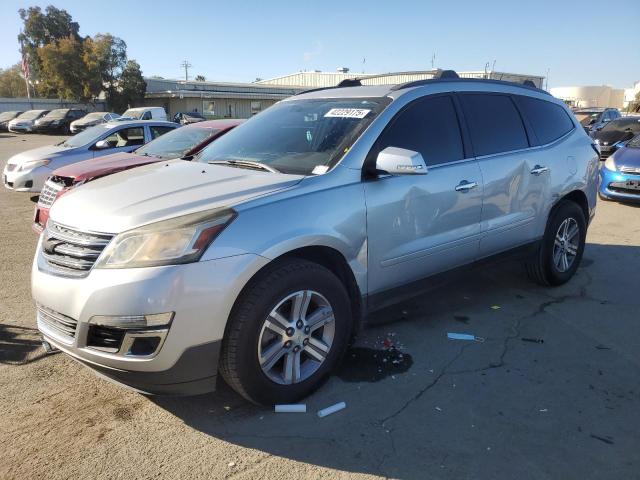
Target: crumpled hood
{"x":160,"y":191}
{"x":49,"y":151}
{"x":627,"y":157}
{"x":100,"y":166}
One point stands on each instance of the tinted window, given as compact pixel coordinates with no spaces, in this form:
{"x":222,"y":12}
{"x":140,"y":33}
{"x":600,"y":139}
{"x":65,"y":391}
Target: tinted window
{"x":429,"y":126}
{"x":495,"y":124}
{"x":157,"y":131}
{"x":548,"y":120}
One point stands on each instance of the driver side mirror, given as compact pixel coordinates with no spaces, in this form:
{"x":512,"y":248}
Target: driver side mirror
{"x":101,"y":145}
{"x":400,"y":161}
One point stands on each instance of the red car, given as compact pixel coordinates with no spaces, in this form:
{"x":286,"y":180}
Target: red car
{"x":183,"y":142}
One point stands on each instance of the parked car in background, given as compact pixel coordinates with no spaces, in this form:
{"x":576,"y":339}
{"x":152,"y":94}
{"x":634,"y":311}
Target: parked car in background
{"x":27,"y":171}
{"x":593,"y":119}
{"x":620,"y":174}
{"x":615,"y":133}
{"x":25,"y":122}
{"x":145,"y":113}
{"x":58,"y":120}
{"x":6,"y":117}
{"x":185,"y":118}
{"x":91,"y":119}
{"x":180,"y":143}
{"x":260,"y":258}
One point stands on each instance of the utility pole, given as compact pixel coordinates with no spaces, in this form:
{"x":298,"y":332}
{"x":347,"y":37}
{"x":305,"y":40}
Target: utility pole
{"x":433,"y":60}
{"x":186,"y":65}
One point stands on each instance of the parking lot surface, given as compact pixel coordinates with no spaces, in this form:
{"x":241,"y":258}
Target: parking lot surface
{"x":552,"y":392}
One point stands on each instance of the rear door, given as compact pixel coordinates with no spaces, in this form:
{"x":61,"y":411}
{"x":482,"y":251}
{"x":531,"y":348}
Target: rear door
{"x":512,"y":194}
{"x":418,"y":225}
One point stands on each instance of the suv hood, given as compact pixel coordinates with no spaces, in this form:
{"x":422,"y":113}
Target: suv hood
{"x":627,"y":157}
{"x":50,"y":151}
{"x":101,"y":166}
{"x":160,"y":191}
{"x":609,"y":138}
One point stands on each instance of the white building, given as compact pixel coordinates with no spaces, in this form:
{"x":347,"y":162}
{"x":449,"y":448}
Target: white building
{"x":591,"y":96}
{"x":318,"y":79}
{"x":630,"y":94}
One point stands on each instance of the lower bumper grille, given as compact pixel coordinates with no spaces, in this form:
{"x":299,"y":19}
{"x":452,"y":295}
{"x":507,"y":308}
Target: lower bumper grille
{"x":48,"y":194}
{"x":58,"y":323}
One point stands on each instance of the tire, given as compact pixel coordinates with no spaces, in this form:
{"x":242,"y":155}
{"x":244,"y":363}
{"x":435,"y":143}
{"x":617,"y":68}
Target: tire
{"x":549,"y":270}
{"x":248,"y":340}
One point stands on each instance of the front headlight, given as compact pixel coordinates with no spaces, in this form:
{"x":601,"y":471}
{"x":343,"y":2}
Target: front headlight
{"x":610,"y":164}
{"x":31,"y":164}
{"x":170,"y":242}
{"x":596,"y":141}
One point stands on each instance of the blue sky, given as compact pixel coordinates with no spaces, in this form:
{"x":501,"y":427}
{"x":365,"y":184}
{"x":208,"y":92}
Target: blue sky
{"x":580,"y":42}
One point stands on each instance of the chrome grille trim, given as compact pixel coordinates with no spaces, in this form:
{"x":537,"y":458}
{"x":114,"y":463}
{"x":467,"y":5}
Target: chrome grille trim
{"x":70,"y":252}
{"x":49,"y":193}
{"x":630,"y":170}
{"x":63,"y":327}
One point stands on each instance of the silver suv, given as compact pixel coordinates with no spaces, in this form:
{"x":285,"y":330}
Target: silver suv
{"x":261,"y":258}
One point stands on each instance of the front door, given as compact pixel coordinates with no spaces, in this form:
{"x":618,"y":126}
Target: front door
{"x":419,"y":225}
{"x":122,"y":140}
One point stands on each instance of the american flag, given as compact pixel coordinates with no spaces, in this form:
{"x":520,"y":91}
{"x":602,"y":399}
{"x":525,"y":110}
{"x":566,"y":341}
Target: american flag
{"x":25,"y":65}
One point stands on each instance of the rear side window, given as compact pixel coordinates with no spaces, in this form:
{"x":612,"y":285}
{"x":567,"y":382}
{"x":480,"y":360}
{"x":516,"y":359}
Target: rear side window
{"x":158,"y":131}
{"x":548,"y":120}
{"x":494,"y":123}
{"x":429,"y":126}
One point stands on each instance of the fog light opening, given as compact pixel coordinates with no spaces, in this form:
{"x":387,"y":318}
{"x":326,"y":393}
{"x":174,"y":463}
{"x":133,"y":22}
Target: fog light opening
{"x":143,"y":346}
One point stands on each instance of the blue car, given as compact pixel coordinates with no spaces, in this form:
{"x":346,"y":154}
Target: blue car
{"x":620,"y":174}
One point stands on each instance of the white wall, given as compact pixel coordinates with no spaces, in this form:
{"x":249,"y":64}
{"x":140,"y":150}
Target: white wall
{"x":591,"y":96}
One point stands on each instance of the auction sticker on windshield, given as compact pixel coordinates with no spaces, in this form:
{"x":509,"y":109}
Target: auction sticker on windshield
{"x":347,"y":112}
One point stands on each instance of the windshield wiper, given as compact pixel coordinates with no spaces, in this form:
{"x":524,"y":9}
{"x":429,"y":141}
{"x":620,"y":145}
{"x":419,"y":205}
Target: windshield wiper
{"x":245,"y":164}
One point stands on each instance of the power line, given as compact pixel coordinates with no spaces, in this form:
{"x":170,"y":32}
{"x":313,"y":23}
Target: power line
{"x":186,"y":65}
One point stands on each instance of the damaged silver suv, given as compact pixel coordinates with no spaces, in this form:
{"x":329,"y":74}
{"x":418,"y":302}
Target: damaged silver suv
{"x":260,"y":258}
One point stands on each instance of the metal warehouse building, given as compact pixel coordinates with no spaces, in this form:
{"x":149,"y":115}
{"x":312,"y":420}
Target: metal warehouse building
{"x":242,"y":100}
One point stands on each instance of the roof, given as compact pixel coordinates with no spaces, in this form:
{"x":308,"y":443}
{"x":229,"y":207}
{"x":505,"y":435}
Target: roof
{"x":117,"y":123}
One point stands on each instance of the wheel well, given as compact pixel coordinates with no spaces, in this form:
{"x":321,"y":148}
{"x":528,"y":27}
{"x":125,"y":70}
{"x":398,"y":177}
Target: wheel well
{"x":334,"y":261}
{"x":578,"y":197}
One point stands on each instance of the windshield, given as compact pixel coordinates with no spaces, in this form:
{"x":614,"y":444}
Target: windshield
{"x":586,"y":118}
{"x":176,"y":143}
{"x":94,"y":116}
{"x":58,"y":113}
{"x":298,"y":136}
{"x":623,"y":125}
{"x":131,"y":113}
{"x":90,"y":135}
{"x":7,"y":116}
{"x":30,"y":115}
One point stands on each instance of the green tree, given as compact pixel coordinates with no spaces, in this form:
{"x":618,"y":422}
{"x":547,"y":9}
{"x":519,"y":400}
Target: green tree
{"x":63,"y":72}
{"x":12,"y":82}
{"x":43,"y":28}
{"x":105,"y":57}
{"x":131,"y":88}
{"x":200,"y":78}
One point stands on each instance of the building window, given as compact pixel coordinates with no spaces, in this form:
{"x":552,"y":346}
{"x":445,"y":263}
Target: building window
{"x":256,"y":107}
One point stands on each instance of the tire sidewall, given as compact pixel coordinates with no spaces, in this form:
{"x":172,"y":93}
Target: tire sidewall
{"x":254,"y":381}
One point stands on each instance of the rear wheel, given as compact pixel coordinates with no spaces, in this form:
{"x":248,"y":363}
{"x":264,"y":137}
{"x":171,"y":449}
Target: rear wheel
{"x":560,"y":251}
{"x":286,"y":333}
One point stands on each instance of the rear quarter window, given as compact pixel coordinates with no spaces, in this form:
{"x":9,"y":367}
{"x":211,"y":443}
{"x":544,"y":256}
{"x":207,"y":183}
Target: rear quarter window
{"x":548,"y":120}
{"x":494,"y":123}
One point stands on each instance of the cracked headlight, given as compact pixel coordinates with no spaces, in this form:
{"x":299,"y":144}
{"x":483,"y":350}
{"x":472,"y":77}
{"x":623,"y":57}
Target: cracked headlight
{"x":169,"y":242}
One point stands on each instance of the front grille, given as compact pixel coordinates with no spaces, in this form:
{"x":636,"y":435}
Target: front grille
{"x":58,"y":323}
{"x":11,"y":167}
{"x":630,"y":170}
{"x":605,"y":152}
{"x":49,"y":193}
{"x":72,"y":252}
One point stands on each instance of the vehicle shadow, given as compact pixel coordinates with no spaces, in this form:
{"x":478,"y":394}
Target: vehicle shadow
{"x":360,"y":438}
{"x":19,"y":345}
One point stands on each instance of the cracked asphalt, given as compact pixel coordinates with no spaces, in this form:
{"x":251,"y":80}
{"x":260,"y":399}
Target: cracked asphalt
{"x":563,"y":407}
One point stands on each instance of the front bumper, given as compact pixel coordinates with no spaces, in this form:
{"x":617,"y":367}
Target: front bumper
{"x":29,"y":181}
{"x":48,"y":128}
{"x":20,"y":128}
{"x":619,"y":186}
{"x":200,"y":294}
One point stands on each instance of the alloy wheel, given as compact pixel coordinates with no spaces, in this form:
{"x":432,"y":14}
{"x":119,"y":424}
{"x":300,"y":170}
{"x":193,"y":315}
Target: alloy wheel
{"x":566,"y":244}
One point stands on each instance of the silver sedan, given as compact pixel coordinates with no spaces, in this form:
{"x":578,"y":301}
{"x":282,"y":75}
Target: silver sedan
{"x":27,"y":171}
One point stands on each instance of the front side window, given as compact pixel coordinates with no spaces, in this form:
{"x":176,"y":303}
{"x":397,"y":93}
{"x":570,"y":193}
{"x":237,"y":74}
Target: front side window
{"x":146,"y":116}
{"x":296,"y":136}
{"x":176,"y":143}
{"x":494,"y":123}
{"x":126,"y":137}
{"x":428,"y":126}
{"x":548,"y":120}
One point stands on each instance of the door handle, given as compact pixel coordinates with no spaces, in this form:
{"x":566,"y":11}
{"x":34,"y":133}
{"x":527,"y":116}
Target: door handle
{"x":538,"y":169}
{"x":465,"y":186}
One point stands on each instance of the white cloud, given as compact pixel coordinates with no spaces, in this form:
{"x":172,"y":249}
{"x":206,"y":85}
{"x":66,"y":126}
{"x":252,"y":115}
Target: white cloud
{"x":317,"y":50}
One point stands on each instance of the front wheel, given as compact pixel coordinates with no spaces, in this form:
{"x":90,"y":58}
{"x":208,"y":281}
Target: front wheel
{"x":286,"y":332}
{"x":560,"y":251}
